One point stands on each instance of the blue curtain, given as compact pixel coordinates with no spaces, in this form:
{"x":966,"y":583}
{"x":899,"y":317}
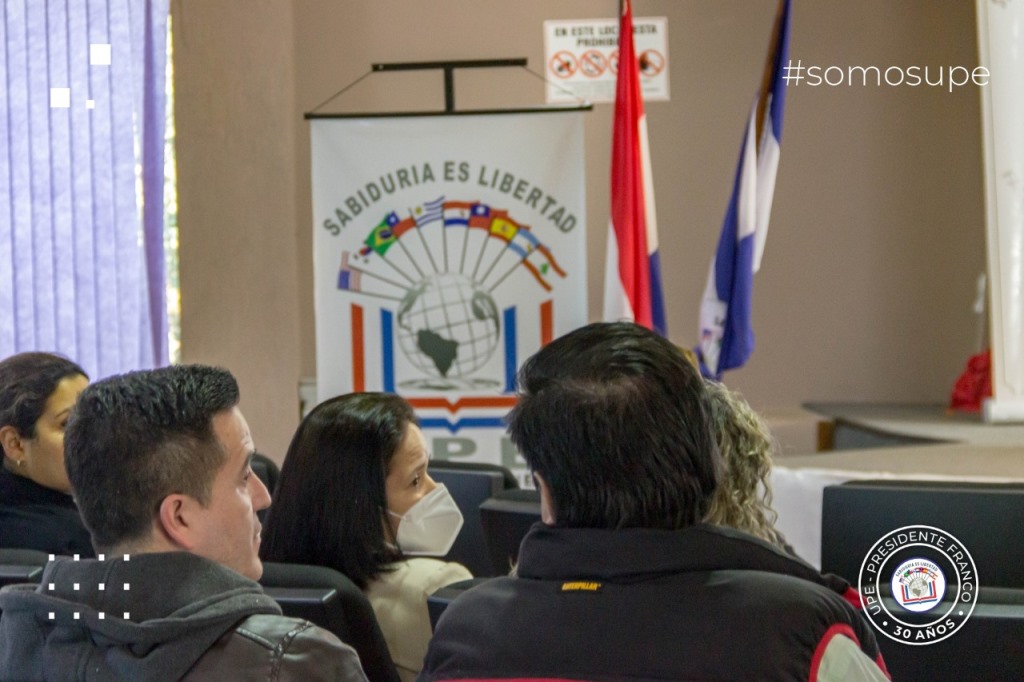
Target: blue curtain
{"x":81,"y":263}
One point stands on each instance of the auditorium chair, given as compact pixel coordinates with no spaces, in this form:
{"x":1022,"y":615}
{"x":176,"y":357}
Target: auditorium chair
{"x":506,"y":518}
{"x":470,"y":484}
{"x":987,"y":519}
{"x":267,"y":471}
{"x":329,"y":599}
{"x":989,"y":646}
{"x":21,"y":566}
{"x":439,"y":600}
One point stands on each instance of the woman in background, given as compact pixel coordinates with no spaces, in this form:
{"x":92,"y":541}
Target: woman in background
{"x":743,"y":499}
{"x":744,"y":496}
{"x":37,"y":392}
{"x":355,"y":495}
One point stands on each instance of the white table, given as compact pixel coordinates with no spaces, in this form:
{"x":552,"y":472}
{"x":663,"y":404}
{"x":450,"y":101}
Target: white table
{"x":797,"y":482}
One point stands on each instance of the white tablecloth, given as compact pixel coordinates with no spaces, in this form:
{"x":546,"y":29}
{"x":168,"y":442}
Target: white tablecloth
{"x":798,"y":483}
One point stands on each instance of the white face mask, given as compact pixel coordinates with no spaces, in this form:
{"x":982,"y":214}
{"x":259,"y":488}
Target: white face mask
{"x":431,"y":525}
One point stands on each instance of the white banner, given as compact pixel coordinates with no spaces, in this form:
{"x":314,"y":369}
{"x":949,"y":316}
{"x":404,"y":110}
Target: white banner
{"x":446,"y":250}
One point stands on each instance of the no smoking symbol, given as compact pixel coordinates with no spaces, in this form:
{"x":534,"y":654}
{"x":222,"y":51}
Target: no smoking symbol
{"x":651,"y":63}
{"x":563,"y":64}
{"x":592,"y":63}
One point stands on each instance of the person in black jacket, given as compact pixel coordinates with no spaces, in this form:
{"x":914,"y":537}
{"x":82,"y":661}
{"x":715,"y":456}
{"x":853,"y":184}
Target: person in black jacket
{"x":622,"y":579}
{"x":37,"y":392}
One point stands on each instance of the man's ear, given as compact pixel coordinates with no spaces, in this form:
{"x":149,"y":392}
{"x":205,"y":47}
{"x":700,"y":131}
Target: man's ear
{"x":177,"y":520}
{"x":547,"y":503}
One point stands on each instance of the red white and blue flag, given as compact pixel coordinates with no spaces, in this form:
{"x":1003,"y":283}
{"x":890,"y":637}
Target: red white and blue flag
{"x":727,"y":339}
{"x":632,"y":273}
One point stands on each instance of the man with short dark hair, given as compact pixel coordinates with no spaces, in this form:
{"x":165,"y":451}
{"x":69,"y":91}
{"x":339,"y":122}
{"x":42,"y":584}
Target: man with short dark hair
{"x":622,"y":580}
{"x":160,"y":464}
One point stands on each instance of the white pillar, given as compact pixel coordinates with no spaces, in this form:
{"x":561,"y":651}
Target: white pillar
{"x":1001,"y":48}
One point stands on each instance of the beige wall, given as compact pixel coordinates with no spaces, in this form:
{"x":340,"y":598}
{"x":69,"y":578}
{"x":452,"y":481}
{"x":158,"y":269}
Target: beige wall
{"x":876,"y":234}
{"x":234,"y":83}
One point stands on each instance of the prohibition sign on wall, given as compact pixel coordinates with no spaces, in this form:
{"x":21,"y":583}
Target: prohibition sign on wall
{"x":563,"y":63}
{"x":651,"y":63}
{"x":582,"y":58}
{"x":592,"y":63}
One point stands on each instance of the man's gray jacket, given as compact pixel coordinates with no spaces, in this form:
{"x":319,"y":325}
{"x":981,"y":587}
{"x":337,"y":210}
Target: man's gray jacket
{"x":162,"y":616}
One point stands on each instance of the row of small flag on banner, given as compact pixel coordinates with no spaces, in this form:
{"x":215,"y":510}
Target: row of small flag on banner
{"x":471,"y":215}
{"x":633,"y":287}
{"x":468,"y":215}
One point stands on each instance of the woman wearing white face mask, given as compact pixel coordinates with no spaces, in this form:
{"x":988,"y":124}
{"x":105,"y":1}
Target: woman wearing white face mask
{"x":355,"y":495}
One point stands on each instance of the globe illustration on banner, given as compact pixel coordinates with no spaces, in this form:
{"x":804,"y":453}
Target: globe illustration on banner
{"x":448,"y":326}
{"x":441,"y":271}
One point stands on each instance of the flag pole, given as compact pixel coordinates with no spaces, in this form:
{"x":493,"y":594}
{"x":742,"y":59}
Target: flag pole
{"x":727,"y":337}
{"x":770,"y":67}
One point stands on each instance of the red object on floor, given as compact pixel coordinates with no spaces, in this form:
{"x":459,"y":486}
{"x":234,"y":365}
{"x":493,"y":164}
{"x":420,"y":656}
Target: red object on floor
{"x":974,"y":385}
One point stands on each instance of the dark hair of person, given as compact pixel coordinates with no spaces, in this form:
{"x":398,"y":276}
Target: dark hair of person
{"x":136,"y":438}
{"x":617,"y":423}
{"x":330,"y":506}
{"x":27,"y":380}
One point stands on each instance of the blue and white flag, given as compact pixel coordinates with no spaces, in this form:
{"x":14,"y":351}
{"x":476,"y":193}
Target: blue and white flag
{"x":727,"y":339}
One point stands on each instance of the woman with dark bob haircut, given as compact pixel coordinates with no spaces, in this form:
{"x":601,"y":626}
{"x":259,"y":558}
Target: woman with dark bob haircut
{"x":37,"y":392}
{"x":354,"y":494}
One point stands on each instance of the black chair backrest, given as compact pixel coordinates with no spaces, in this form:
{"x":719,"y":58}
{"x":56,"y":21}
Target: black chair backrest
{"x":989,"y":646}
{"x":23,"y":557}
{"x":509,"y":480}
{"x":985,"y":517}
{"x":21,"y":566}
{"x":506,"y":518}
{"x":470,"y":484}
{"x":439,"y":600}
{"x":12,"y":574}
{"x":335,"y":604}
{"x":267,"y":471}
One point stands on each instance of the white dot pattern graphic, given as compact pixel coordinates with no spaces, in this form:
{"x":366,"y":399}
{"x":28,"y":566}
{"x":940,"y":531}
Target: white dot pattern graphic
{"x":77,"y":615}
{"x":100,"y":54}
{"x":60,"y":98}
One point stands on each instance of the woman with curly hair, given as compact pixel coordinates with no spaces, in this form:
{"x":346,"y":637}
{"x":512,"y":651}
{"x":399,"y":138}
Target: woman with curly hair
{"x":744,"y":497}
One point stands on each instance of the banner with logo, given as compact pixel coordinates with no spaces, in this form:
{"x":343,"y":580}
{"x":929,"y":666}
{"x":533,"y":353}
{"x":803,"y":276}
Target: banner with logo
{"x":446,"y":250}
